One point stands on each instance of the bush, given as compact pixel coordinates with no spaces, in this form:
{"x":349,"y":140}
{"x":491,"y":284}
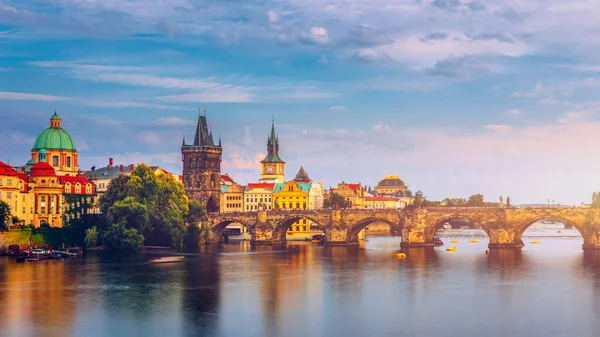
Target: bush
{"x":91,"y":237}
{"x":118,"y":237}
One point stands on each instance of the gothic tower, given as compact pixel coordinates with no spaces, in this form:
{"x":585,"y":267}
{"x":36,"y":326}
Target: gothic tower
{"x":272,"y":167}
{"x":202,"y":167}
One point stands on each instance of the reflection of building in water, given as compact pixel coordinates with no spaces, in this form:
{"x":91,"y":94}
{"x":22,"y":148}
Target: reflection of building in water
{"x":38,"y":294}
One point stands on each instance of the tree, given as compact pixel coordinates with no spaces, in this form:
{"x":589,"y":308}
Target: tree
{"x":118,"y":237}
{"x":476,"y":200}
{"x":192,"y":236}
{"x":335,"y":201}
{"x":118,"y":189}
{"x":195,"y":213}
{"x":91,"y":237}
{"x":134,"y":213}
{"x":4,"y":215}
{"x":454,"y":202}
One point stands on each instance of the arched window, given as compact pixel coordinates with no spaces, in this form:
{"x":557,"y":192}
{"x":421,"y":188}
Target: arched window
{"x":291,"y":205}
{"x":297,"y":205}
{"x":68,"y":161}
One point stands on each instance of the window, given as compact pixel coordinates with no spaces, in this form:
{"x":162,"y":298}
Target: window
{"x":9,"y":195}
{"x":24,"y":198}
{"x":0,"y":194}
{"x":24,"y":210}
{"x":297,"y":228}
{"x":31,"y":210}
{"x":68,"y":161}
{"x":8,"y":182}
{"x":304,"y":228}
{"x":0,"y":182}
{"x":43,"y":210}
{"x":55,"y":161}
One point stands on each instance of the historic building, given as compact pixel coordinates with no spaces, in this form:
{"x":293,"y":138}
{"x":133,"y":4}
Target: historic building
{"x":272,"y":167}
{"x":381,"y":202}
{"x":60,"y":148}
{"x":202,"y":167}
{"x":14,"y":190}
{"x":258,"y":196}
{"x":232,"y":198}
{"x":393,"y":186}
{"x":353,"y":193}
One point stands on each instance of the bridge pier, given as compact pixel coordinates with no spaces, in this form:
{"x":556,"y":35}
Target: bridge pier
{"x":337,"y":236}
{"x":415,"y":237}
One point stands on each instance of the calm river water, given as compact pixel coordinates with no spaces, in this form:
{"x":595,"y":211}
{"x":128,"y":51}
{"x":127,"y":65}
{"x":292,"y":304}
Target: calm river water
{"x":547,"y":289}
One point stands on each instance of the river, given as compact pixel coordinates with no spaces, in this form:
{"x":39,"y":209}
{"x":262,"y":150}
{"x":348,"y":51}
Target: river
{"x":547,"y":289}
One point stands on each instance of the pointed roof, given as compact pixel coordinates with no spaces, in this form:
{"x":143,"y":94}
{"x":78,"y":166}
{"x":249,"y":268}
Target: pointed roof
{"x":302,"y":176}
{"x":272,"y":147}
{"x":203,"y":136}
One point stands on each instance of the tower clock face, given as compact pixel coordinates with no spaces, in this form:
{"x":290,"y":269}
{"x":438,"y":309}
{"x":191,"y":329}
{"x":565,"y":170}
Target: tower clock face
{"x":269,"y":170}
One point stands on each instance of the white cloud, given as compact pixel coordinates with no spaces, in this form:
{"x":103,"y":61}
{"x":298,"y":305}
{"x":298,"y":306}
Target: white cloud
{"x":273,"y":16}
{"x":367,"y":54}
{"x":174,"y":121}
{"x":317,"y":35}
{"x":381,"y":128}
{"x":150,"y":138}
{"x":20,"y":96}
{"x":236,"y":162}
{"x":337,"y":108}
{"x":499,"y":128}
{"x":513,"y":112}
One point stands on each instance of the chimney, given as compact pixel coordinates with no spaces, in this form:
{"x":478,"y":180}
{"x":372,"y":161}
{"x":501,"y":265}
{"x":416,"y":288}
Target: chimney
{"x":110,"y":162}
{"x":121,"y":167}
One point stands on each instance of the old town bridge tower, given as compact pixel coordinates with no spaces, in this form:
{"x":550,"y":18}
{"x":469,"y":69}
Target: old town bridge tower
{"x":202,"y":167}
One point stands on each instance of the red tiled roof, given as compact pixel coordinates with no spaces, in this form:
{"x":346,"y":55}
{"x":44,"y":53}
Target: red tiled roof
{"x":226,"y":178}
{"x":267,"y":186}
{"x":353,"y":186}
{"x":380,"y":198}
{"x":6,"y":170}
{"x":74,"y":180}
{"x":42,"y":169}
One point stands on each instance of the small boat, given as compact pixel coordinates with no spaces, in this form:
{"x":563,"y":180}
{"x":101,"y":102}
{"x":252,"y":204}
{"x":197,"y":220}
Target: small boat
{"x":535,"y":242}
{"x":559,"y":232}
{"x":451,"y":249}
{"x":320,"y":238}
{"x":473,"y":241}
{"x":21,"y":259}
{"x":168,"y":259}
{"x":401,"y":256}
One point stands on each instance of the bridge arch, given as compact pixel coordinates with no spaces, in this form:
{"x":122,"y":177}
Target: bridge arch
{"x":283,"y":225}
{"x":395,"y":228}
{"x":430,"y":231}
{"x":523,"y":226}
{"x":220,"y":226}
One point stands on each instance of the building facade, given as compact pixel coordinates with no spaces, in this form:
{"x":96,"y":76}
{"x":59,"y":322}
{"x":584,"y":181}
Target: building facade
{"x":232,"y":198}
{"x":353,"y":193}
{"x":258,"y":196}
{"x":393,"y":186}
{"x":202,"y":167}
{"x":272,"y":167}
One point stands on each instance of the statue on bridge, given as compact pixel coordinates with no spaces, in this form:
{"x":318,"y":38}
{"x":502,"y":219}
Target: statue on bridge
{"x":501,"y":202}
{"x":507,"y":201}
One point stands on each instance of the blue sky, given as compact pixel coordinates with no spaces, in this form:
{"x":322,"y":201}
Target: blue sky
{"x":457,"y":97}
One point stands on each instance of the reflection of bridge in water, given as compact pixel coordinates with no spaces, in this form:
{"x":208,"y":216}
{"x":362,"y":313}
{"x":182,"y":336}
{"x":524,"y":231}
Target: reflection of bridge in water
{"x":417,"y":227}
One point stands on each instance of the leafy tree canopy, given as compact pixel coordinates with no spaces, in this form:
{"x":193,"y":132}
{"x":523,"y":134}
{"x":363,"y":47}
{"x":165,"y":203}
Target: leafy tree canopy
{"x":4,"y":215}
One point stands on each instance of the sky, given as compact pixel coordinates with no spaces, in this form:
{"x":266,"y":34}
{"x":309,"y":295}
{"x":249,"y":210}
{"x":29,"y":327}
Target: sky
{"x":456,"y":97}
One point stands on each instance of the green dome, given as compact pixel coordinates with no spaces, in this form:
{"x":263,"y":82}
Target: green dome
{"x":54,"y":139}
{"x":30,"y":162}
{"x":55,"y":116}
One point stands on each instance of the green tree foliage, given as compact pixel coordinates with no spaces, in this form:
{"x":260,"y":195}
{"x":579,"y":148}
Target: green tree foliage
{"x":91,"y":237}
{"x":454,"y":202}
{"x":336,"y":201}
{"x":476,"y":200}
{"x":154,"y":206}
{"x":134,"y":213}
{"x":119,"y":237}
{"x":193,"y":236}
{"x":5,"y":216}
{"x":196,"y":212}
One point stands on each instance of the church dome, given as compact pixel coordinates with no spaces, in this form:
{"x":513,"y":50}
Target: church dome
{"x":54,"y":137}
{"x":391,"y":181}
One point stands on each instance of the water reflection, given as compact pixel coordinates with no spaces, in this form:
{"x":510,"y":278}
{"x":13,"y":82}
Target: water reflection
{"x":304,"y":289}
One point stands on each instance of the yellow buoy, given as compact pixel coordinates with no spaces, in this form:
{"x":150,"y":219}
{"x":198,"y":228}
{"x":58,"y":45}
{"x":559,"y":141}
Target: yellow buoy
{"x":401,"y":256}
{"x":535,"y":242}
{"x":473,"y":241}
{"x":451,"y":249}
{"x":453,"y":241}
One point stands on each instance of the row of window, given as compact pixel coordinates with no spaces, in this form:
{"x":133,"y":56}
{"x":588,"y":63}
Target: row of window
{"x":233,"y":197}
{"x":55,"y":161}
{"x":297,"y":228}
{"x":234,"y":205}
{"x":9,"y":195}
{"x":9,"y":182}
{"x":258,"y":199}
{"x":255,"y":207}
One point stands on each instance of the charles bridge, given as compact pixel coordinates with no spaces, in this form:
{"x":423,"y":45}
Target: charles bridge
{"x":416,"y":226}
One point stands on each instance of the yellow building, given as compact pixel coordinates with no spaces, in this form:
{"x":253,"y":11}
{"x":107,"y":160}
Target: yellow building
{"x":257,"y":196}
{"x":272,"y":167}
{"x":354,"y":193}
{"x":294,"y":196}
{"x":14,"y":191}
{"x":232,"y":198}
{"x":60,"y":148}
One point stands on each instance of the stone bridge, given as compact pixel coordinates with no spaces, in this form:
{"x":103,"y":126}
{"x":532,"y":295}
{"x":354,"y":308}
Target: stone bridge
{"x":340,"y":226}
{"x":417,"y":227}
